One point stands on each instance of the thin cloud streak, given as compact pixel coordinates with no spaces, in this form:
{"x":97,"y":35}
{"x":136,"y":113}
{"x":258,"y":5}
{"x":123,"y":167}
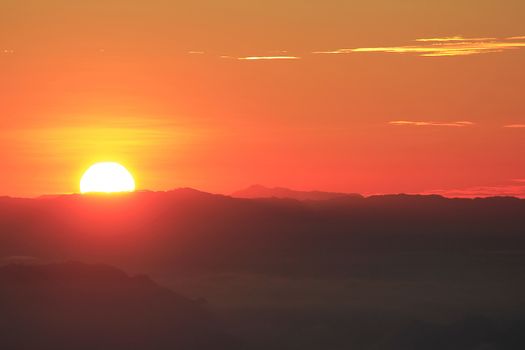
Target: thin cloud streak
{"x":259,"y":58}
{"x":430,"y":123}
{"x":514,"y":126}
{"x":514,"y":188}
{"x":454,"y":38}
{"x":443,"y":47}
{"x":481,"y":192}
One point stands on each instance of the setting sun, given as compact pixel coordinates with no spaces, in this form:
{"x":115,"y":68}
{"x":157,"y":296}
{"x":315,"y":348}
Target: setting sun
{"x":107,"y":177}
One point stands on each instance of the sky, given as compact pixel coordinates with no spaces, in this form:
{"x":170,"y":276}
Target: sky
{"x":375,"y":96}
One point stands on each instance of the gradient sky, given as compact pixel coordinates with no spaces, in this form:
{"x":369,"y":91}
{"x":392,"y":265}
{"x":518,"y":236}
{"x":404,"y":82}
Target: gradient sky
{"x":368,"y":96}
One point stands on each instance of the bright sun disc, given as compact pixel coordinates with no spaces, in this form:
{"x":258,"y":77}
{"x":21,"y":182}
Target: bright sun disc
{"x":107,"y":177}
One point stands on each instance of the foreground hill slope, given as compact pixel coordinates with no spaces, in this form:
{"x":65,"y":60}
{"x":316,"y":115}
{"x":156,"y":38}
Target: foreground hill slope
{"x":80,"y":306}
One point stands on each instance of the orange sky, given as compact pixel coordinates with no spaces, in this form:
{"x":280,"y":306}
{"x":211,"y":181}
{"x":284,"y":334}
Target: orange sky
{"x":336,"y":95}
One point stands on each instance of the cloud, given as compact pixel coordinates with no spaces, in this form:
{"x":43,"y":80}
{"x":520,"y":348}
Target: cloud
{"x":271,"y":57}
{"x":514,"y":126}
{"x":442,"y":47}
{"x":454,"y":38}
{"x":430,"y":123}
{"x":511,"y":190}
{"x":262,"y":58}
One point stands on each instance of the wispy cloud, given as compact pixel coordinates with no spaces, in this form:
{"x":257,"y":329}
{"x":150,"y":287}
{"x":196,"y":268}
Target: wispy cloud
{"x":430,"y":123}
{"x":515,"y":188}
{"x":262,"y":58}
{"x":453,"y":39}
{"x":442,"y":47}
{"x":514,"y":126}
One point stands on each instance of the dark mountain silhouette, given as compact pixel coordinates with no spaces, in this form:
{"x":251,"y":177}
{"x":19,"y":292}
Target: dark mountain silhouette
{"x":79,"y":306}
{"x":200,"y":230}
{"x":348,"y":272}
{"x":259,"y":191}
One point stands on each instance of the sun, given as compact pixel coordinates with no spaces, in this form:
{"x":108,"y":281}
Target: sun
{"x":107,"y":177}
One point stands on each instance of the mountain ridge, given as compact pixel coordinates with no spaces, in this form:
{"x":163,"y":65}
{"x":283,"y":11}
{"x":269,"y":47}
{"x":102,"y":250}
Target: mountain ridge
{"x":260,"y":191}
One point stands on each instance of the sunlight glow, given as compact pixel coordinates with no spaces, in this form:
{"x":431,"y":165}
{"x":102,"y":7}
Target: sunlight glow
{"x":107,"y":177}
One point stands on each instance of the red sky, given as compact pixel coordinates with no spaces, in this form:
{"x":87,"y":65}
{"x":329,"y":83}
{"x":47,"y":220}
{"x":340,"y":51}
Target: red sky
{"x":345,"y":96}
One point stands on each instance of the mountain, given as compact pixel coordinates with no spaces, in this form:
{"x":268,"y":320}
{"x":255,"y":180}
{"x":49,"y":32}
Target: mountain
{"x":80,"y":306}
{"x":377,"y":273}
{"x":258,"y":191}
{"x":188,"y":229}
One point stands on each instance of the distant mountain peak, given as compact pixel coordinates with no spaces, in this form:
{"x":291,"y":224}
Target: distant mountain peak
{"x":260,"y":191}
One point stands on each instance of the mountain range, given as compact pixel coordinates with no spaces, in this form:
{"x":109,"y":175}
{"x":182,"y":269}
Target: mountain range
{"x":373,"y":273}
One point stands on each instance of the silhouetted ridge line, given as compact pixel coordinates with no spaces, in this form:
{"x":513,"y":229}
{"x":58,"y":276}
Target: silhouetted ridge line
{"x":259,"y":191}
